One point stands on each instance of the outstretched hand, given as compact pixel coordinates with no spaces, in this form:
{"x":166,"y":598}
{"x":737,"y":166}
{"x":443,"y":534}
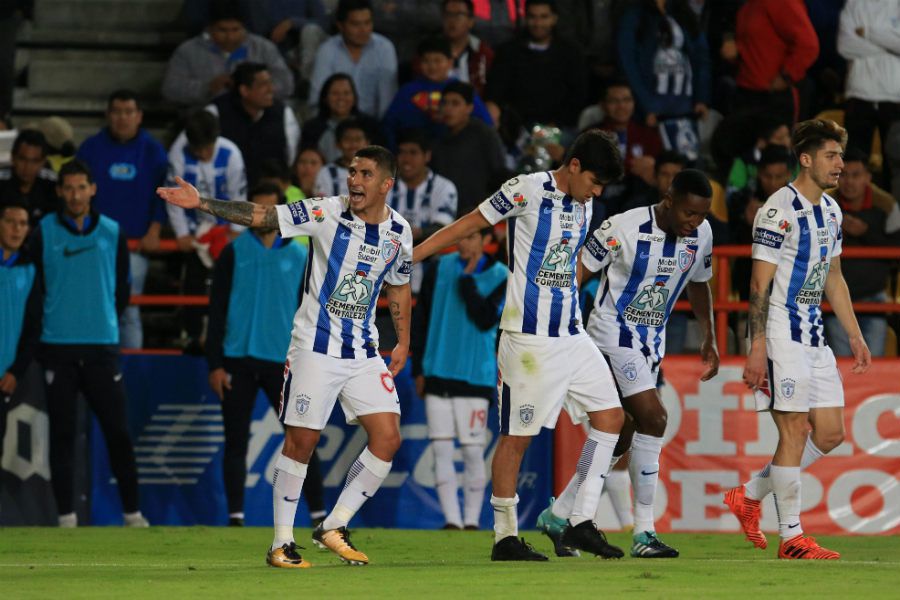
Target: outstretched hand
{"x":185,"y":195}
{"x":710,"y":355}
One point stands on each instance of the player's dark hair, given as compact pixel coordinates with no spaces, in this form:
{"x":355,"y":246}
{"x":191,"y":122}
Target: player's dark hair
{"x":245,"y":73}
{"x":382,"y":157}
{"x":201,"y":129}
{"x":462,"y":88}
{"x":598,"y":152}
{"x":123,"y":95}
{"x":348,"y":124}
{"x":415,"y":136}
{"x":670,"y":157}
{"x":273,"y":168}
{"x":324,"y":109}
{"x":345,"y":7}
{"x":774,"y":154}
{"x":470,"y":6}
{"x":13,"y":203}
{"x":226,"y":10}
{"x":76,"y":166}
{"x":691,"y":181}
{"x":769,"y":124}
{"x":854,"y":154}
{"x":435,"y":44}
{"x":809,"y":136}
{"x":266,"y":188}
{"x":31,"y":137}
{"x":615,"y":83}
{"x":550,"y":3}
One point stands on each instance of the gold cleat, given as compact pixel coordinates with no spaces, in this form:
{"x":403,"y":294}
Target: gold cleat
{"x":286,"y":557}
{"x":338,"y":541}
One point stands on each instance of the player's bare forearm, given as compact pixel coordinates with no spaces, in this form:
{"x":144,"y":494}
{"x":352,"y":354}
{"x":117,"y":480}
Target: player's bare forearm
{"x":449,"y":235}
{"x":700,"y":297}
{"x":399,"y":299}
{"x":838,"y":295}
{"x":239,"y":212}
{"x":758,"y":313}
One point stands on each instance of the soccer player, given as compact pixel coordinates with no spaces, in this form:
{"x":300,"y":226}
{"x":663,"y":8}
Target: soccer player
{"x":357,"y":246}
{"x":648,"y":256}
{"x":544,"y":353}
{"x":792,"y":372}
{"x":455,"y":366}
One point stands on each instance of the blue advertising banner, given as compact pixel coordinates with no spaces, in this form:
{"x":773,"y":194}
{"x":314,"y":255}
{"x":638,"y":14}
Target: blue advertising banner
{"x":176,"y":424}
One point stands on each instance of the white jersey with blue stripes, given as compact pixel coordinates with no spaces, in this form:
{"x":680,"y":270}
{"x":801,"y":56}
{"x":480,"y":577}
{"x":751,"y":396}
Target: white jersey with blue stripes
{"x":349,"y":260}
{"x":546,"y":229}
{"x":800,"y":238}
{"x":644,"y":272}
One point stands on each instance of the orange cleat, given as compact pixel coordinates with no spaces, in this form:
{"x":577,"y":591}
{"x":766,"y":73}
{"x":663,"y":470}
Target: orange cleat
{"x":747,"y":513}
{"x":806,"y":548}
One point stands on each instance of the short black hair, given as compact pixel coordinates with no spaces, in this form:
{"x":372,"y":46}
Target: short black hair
{"x":76,"y":166}
{"x":382,"y":157}
{"x":550,"y":3}
{"x":854,"y":154}
{"x":598,"y":152}
{"x":809,"y":136}
{"x":123,"y":95}
{"x":266,"y":188}
{"x":345,"y":7}
{"x":31,"y":137}
{"x":614,"y":83}
{"x":201,"y":129}
{"x":226,"y":10}
{"x":462,"y":88}
{"x":13,"y":203}
{"x":670,"y":157}
{"x":245,"y":73}
{"x":348,"y":124}
{"x":415,"y":136}
{"x":769,"y":124}
{"x":273,"y":168}
{"x":435,"y":44}
{"x":691,"y":181}
{"x":774,"y":154}
{"x":470,"y":6}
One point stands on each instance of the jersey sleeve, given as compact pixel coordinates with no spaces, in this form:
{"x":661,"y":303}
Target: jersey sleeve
{"x":307,"y":217}
{"x":511,"y":200}
{"x":703,"y":265}
{"x":603,"y":247}
{"x":400,"y":271}
{"x":770,"y":228}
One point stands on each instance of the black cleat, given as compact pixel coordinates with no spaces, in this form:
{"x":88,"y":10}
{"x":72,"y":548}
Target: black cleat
{"x":513,"y":548}
{"x":647,"y":545}
{"x":585,"y":536}
{"x":235,"y":522}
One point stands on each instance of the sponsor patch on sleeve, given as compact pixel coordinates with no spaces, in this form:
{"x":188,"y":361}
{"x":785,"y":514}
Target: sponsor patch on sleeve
{"x":596,"y":249}
{"x":299,"y":213}
{"x":767,"y":238}
{"x":500,"y":203}
{"x":405,"y":267}
{"x":707,"y":261}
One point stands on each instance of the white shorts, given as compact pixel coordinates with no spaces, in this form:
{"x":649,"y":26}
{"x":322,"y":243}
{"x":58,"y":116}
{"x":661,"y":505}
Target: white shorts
{"x":538,"y":374}
{"x":633,"y":371}
{"x":460,"y":417}
{"x":800,"y":377}
{"x":314,"y":381}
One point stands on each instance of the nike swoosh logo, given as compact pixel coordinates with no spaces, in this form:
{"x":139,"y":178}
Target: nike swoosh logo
{"x":366,"y":494}
{"x":294,"y":500}
{"x":68,"y":253}
{"x":345,"y":236}
{"x":645,"y":255}
{"x":794,"y":525}
{"x":650,"y":473}
{"x":603,"y":477}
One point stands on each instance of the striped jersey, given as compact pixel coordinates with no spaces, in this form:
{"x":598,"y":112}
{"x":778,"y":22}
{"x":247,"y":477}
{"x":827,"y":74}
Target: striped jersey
{"x":644,"y":272}
{"x":546,"y":229}
{"x":800,"y":238}
{"x":348,"y":262}
{"x":331,"y":181}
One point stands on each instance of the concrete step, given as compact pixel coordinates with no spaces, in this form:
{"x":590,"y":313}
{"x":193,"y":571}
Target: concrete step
{"x":91,"y":38}
{"x":26,"y":105}
{"x":94,"y":78}
{"x":110,"y":15}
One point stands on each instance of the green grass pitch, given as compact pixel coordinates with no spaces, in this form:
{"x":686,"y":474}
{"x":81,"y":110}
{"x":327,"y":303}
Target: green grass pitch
{"x":207,"y":562}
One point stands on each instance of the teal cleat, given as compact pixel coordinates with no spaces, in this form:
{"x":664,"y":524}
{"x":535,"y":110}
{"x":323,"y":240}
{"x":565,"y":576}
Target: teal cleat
{"x":647,"y":545}
{"x":553,"y":527}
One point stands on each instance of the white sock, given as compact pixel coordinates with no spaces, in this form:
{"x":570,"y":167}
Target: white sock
{"x":618,"y":488}
{"x":562,"y":507}
{"x":761,"y":484}
{"x":506,"y":518}
{"x":445,"y":481}
{"x":591,"y":474}
{"x":644,"y":469}
{"x":364,"y":478}
{"x":475,"y":481}
{"x":786,"y":489}
{"x":286,"y":485}
{"x":68,"y":520}
{"x":236,"y":515}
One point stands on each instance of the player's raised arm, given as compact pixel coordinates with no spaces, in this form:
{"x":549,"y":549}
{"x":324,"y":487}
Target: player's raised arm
{"x":839,"y":296}
{"x":700,"y":297}
{"x":449,"y":235}
{"x":248,"y":214}
{"x":758,"y":316}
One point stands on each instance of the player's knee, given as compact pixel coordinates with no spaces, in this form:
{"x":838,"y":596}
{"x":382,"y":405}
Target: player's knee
{"x":386,"y":445}
{"x":828,"y":441}
{"x":300,"y":443}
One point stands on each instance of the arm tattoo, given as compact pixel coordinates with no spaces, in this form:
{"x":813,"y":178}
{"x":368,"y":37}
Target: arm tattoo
{"x":396,"y":316}
{"x":758,"y":315}
{"x":241,"y":213}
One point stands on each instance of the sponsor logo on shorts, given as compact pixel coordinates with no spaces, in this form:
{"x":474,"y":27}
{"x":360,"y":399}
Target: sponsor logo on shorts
{"x":764,"y":237}
{"x":787,"y":387}
{"x":302,"y":404}
{"x":526,"y":414}
{"x":299,"y":213}
{"x":629,"y":370}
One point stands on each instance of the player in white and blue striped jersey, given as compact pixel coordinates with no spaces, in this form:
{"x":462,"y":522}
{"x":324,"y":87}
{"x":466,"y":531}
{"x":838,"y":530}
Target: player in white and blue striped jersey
{"x":358,"y":245}
{"x":796,"y":259}
{"x":647,"y":256}
{"x":545,"y":357}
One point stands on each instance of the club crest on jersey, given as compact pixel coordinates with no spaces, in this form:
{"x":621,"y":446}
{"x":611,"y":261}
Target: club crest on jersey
{"x":629,"y":370}
{"x":526,"y":414}
{"x":787,"y":387}
{"x":649,"y":305}
{"x":832,"y":226}
{"x":557,"y":268}
{"x":317,"y":213}
{"x":579,"y":214}
{"x":351,"y":297}
{"x":302,"y":404}
{"x":686,"y":258}
{"x":389,"y":249}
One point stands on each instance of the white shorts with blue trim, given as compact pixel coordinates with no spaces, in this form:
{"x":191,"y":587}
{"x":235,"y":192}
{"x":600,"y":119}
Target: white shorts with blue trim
{"x":313,"y":382}
{"x":538,"y":374}
{"x":460,"y":417}
{"x":800,"y":378}
{"x":634,"y":372}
